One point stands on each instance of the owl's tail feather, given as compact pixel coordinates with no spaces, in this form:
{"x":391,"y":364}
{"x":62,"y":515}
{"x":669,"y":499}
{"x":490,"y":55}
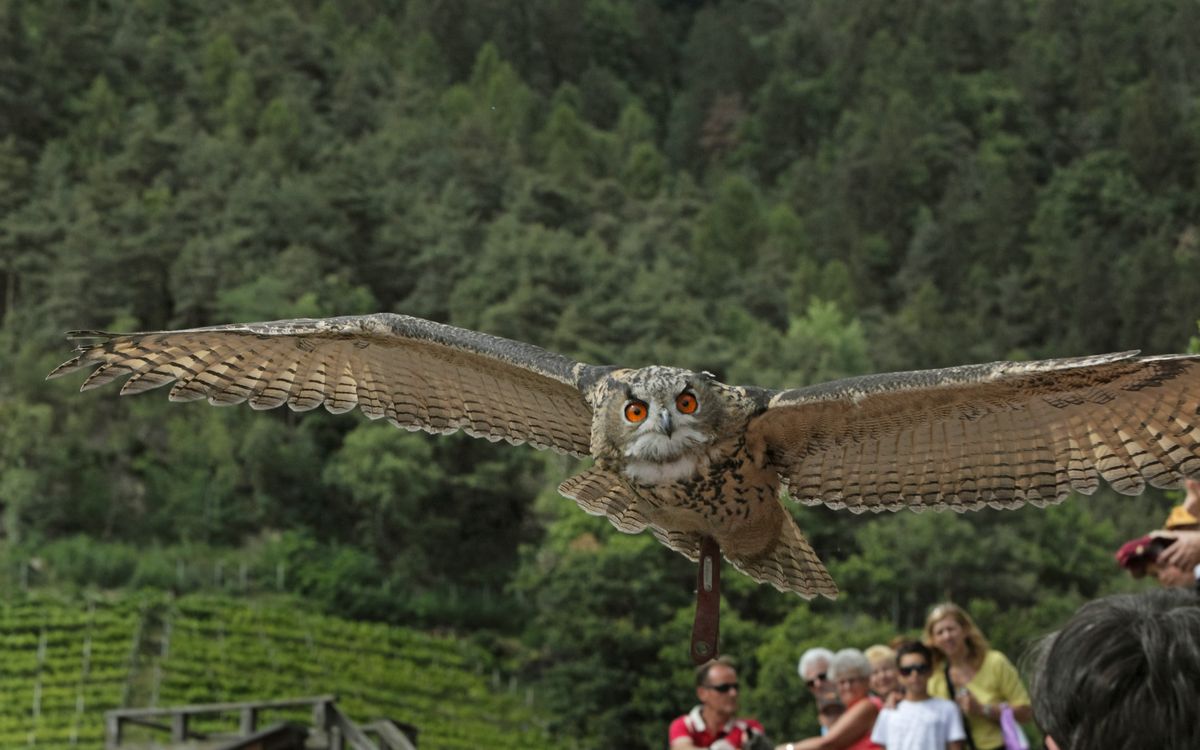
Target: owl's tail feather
{"x":789,"y":564}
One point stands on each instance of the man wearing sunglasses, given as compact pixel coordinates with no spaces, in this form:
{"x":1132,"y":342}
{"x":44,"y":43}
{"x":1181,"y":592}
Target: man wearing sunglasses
{"x":920,"y":721}
{"x":713,"y":723}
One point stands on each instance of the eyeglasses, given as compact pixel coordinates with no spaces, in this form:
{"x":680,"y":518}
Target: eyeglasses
{"x":724,"y":687}
{"x":918,"y":668}
{"x":823,"y":677}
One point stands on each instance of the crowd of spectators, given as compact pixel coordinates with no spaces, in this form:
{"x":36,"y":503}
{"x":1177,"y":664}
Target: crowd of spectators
{"x":1123,"y":673}
{"x":948,"y":691}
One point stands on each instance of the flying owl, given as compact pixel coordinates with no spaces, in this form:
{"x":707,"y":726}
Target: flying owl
{"x":686,"y":456}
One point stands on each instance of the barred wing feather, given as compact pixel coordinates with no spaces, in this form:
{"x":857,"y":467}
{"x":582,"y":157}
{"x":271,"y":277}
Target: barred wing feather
{"x":415,"y":373}
{"x":999,"y":434}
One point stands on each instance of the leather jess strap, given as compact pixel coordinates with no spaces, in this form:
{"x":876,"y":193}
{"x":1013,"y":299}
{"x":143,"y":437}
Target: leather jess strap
{"x":707,"y":624}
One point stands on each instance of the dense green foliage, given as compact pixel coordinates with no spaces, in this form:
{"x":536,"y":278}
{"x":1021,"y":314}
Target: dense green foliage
{"x":778,"y":192}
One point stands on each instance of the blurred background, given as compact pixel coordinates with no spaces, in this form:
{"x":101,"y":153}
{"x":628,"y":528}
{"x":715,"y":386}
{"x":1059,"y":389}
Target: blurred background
{"x":778,"y":192}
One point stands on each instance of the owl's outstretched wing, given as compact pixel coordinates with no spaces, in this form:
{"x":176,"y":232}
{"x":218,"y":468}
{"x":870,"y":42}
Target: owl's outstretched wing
{"x":415,"y":373}
{"x":998,"y":434}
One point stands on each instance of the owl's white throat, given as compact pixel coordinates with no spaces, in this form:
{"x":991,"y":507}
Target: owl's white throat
{"x":662,"y":472}
{"x":657,"y":458}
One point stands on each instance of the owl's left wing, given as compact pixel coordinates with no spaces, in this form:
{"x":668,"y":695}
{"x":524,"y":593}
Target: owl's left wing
{"x":417,"y":374}
{"x":998,"y":434}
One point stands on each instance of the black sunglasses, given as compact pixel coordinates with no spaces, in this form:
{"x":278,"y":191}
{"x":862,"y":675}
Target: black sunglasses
{"x":724,"y":687}
{"x":823,"y":677}
{"x":920,"y":668}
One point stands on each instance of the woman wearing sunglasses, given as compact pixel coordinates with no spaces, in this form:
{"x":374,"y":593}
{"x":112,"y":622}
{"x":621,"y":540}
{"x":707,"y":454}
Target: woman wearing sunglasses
{"x":851,"y":672}
{"x":814,"y":670}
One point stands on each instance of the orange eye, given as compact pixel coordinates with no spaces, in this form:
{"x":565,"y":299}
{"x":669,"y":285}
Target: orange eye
{"x":636,"y":411}
{"x":686,"y":403}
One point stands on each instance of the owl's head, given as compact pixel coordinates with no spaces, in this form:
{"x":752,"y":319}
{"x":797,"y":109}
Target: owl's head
{"x":658,"y":415}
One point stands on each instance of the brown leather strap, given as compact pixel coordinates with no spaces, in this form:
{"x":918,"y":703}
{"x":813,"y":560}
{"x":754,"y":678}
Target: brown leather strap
{"x":707,"y":625}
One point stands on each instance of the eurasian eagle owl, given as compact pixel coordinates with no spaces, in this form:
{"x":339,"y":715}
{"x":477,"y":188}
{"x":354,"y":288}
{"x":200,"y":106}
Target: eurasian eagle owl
{"x":686,"y":456}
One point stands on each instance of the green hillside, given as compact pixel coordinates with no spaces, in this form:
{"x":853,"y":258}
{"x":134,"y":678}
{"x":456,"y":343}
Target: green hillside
{"x":66,"y":662}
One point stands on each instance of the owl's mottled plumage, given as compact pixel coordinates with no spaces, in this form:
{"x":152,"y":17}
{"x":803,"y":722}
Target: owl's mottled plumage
{"x":695,"y":457}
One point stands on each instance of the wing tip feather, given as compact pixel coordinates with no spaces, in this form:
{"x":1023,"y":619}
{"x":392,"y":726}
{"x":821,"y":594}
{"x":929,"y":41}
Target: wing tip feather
{"x":65,"y":368}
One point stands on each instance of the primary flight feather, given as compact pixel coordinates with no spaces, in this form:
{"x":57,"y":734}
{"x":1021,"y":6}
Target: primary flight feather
{"x":686,"y":456}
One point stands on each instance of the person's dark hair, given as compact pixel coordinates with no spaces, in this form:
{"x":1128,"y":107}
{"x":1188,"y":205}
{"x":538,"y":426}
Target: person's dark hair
{"x":702,"y":670}
{"x":914,"y":647}
{"x":1122,"y":674}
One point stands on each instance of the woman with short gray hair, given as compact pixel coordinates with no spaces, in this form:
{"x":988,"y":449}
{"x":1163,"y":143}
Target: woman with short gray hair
{"x":851,"y":672}
{"x":849,"y":663}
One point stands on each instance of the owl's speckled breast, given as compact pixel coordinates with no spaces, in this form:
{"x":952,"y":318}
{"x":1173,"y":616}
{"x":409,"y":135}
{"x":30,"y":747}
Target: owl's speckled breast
{"x":729,"y":495}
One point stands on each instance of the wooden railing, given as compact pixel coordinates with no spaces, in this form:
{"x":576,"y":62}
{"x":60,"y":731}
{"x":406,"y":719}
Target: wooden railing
{"x":327,"y":717}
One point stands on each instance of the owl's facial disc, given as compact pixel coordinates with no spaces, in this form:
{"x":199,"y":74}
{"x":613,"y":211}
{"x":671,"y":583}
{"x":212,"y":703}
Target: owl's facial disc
{"x":664,"y":430}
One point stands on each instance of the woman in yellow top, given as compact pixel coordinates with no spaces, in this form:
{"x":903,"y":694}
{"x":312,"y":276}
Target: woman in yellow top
{"x":981,"y":678}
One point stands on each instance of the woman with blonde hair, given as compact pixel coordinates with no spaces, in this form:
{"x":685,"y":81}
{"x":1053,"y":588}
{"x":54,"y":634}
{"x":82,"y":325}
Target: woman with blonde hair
{"x":973,"y":674}
{"x":885,"y":680}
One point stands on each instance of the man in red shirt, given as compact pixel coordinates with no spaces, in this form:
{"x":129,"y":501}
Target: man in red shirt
{"x":713,"y":723}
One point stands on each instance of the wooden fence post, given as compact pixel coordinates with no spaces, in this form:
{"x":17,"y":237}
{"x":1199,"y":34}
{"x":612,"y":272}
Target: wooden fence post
{"x":249,"y":721}
{"x":112,"y":732}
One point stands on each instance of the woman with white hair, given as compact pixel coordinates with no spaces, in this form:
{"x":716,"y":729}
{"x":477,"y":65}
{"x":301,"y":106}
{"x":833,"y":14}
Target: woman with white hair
{"x":851,"y":672}
{"x":814,"y":670}
{"x":814,"y":666}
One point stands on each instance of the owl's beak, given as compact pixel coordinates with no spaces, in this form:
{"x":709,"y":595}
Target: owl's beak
{"x":664,"y":423}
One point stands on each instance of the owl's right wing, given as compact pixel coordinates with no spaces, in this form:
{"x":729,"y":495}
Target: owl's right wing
{"x":998,"y":434}
{"x":417,"y":374}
